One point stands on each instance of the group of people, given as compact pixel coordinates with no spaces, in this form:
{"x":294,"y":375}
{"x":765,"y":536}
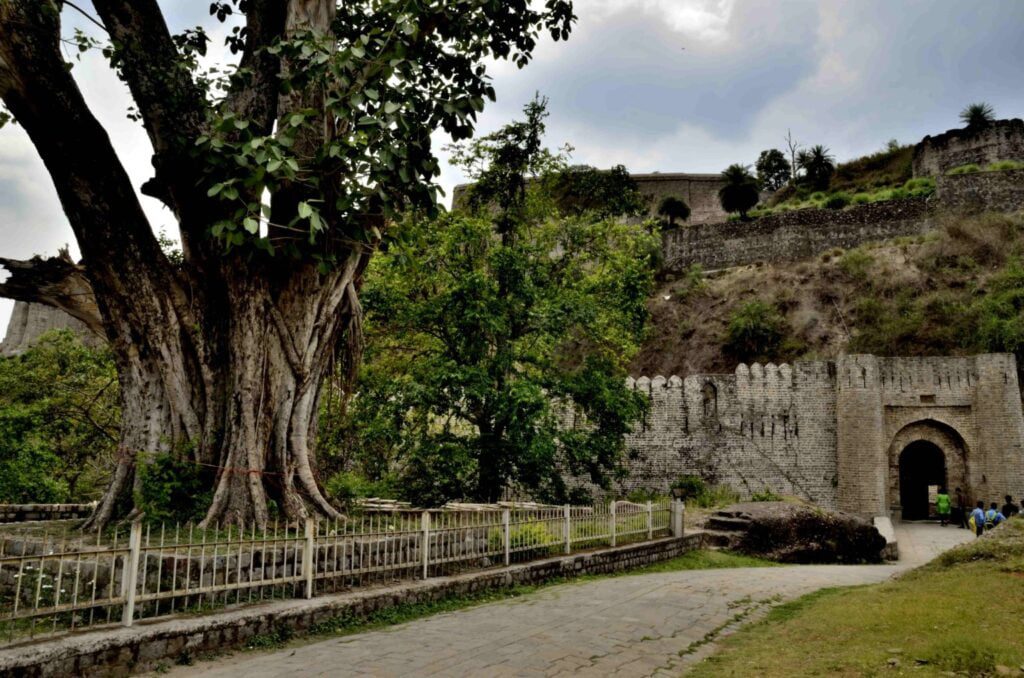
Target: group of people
{"x":979,"y":519}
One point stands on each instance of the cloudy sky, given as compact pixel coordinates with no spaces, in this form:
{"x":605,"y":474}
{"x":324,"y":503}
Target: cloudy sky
{"x":659,"y":85}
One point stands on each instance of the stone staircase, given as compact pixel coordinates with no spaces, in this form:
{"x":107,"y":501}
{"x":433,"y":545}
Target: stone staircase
{"x":725,"y":529}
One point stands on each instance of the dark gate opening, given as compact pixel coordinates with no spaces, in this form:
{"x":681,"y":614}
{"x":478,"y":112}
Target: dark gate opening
{"x":921,"y":464}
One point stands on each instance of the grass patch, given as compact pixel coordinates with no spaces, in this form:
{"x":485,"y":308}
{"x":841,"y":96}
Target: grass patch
{"x":954,"y":615}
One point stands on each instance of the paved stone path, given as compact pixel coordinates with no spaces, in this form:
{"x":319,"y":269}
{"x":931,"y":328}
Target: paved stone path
{"x":642,"y":625}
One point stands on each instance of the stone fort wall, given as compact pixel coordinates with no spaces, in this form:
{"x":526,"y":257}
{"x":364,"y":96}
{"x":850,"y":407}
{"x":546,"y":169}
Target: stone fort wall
{"x":30,"y":321}
{"x":1002,"y":140}
{"x":699,"y":191}
{"x":833,"y":432}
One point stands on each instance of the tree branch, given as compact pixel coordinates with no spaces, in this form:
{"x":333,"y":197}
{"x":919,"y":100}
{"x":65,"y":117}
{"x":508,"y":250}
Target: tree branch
{"x":57,"y":282}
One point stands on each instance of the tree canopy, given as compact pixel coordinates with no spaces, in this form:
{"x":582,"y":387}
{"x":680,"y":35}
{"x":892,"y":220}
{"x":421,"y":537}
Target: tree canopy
{"x":773,"y":170}
{"x":498,"y":340}
{"x":740,"y":192}
{"x":283,"y":170}
{"x":673,"y":208}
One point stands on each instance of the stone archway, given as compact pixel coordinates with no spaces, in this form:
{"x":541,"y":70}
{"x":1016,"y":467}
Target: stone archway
{"x":921,"y":454}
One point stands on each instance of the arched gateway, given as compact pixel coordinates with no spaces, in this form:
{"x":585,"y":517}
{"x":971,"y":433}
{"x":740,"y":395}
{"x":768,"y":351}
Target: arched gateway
{"x":924,"y":456}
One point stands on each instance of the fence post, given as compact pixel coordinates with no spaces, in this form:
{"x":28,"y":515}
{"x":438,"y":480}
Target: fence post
{"x":309,"y":558}
{"x":678,"y":511}
{"x":425,"y":546}
{"x":131,"y":573}
{"x":506,"y":535}
{"x":611,"y":520}
{"x":568,"y":530}
{"x":650,"y":522}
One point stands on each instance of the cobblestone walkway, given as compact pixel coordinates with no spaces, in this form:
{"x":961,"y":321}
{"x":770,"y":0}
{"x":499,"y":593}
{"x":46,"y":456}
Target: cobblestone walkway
{"x":642,"y":625}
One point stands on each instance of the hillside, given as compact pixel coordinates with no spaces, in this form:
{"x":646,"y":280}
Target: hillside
{"x":957,"y":290}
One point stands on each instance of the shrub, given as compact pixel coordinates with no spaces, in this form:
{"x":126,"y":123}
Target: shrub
{"x":970,"y":168}
{"x":173,"y":489}
{"x":534,"y":535}
{"x":690,"y":486}
{"x":1004,"y":165}
{"x":673,"y":208}
{"x":740,"y":192}
{"x":837,"y":201}
{"x":346,"y":487}
{"x":856,"y":263}
{"x":860,"y":199}
{"x":755,"y":331}
{"x":817,"y":196}
{"x":765,"y":495}
{"x":978,"y":115}
{"x":717,"y":495}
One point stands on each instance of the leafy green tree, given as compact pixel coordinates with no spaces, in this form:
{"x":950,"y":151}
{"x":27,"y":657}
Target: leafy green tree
{"x":329,"y":111}
{"x":818,"y":166}
{"x":59,"y":418}
{"x":673,"y":208}
{"x":978,"y":115}
{"x":773,"y":170}
{"x":498,"y":344}
{"x":740,"y":192}
{"x":581,"y":190}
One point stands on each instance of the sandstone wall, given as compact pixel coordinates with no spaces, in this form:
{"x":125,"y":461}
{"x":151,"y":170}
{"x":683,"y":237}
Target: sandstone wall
{"x":792,"y":236}
{"x":997,"y":191}
{"x":766,"y":427}
{"x":699,"y":191}
{"x":29,"y":321}
{"x":1003,"y":140}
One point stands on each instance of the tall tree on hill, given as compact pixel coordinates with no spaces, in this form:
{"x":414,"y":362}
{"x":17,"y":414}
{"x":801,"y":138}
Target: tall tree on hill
{"x":773,"y":170}
{"x":740,"y":192}
{"x":673,"y":208}
{"x":329,"y":111}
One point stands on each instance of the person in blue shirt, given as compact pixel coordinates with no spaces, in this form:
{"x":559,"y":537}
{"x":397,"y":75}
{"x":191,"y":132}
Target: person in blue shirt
{"x":993,"y":517}
{"x":978,"y":514}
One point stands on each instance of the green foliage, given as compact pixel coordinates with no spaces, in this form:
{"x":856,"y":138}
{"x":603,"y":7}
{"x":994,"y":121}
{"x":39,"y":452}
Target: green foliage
{"x":856,"y":263}
{"x":690,"y":486}
{"x":818,"y":166}
{"x":532,"y":534}
{"x":585,"y":190}
{"x":485,"y":331}
{"x":715,"y":496}
{"x":887,"y":168}
{"x":345,"y":487}
{"x":59,"y":414}
{"x":740,"y":192}
{"x":673,"y":208}
{"x":755,"y":331}
{"x":773,"y":170}
{"x":765,"y":495}
{"x":999,"y":166}
{"x":390,"y":74}
{"x":172,"y":488}
{"x":837,"y":201}
{"x":969,"y":168}
{"x":978,"y":115}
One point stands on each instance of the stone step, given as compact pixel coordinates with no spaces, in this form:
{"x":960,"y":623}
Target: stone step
{"x":719,"y":539}
{"x":728,"y":524}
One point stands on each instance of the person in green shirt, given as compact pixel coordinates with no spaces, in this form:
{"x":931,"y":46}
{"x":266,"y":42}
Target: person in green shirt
{"x":942,"y":506}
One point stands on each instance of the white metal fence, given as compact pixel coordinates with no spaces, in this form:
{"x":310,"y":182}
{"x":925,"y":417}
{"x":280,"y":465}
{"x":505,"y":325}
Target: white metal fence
{"x":56,"y":584}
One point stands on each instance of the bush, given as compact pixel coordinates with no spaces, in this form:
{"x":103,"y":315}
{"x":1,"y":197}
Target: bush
{"x":837,"y":201}
{"x":172,"y":488}
{"x":860,"y":199}
{"x":1005,"y":165}
{"x":717,"y":495}
{"x":965,"y":169}
{"x":856,"y":263}
{"x":346,"y":487}
{"x":755,"y":331}
{"x":533,"y":534}
{"x":690,"y":486}
{"x":765,"y":495}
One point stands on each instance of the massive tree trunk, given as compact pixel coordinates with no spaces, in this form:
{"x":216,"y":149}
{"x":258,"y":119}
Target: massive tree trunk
{"x":221,"y":358}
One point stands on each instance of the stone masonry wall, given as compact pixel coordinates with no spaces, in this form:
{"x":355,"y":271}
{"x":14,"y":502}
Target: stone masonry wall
{"x":764,"y":428}
{"x":792,"y":236}
{"x":29,"y":321}
{"x":980,"y":191}
{"x":1002,"y":140}
{"x":699,"y":191}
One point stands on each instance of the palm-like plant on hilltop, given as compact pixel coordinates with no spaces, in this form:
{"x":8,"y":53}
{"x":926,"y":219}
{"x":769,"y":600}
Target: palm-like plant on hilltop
{"x":818,"y":165}
{"x":673,"y":208}
{"x":740,"y":192}
{"x":978,"y":115}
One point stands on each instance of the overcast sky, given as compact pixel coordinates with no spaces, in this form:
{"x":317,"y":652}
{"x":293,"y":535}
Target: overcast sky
{"x":657,"y":85}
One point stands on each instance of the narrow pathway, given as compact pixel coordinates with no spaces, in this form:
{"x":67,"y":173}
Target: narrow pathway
{"x":654,"y":624}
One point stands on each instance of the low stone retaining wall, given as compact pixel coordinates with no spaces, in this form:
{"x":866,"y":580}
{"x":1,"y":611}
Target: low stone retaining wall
{"x":120,"y":651}
{"x":22,"y":513}
{"x":999,"y":191}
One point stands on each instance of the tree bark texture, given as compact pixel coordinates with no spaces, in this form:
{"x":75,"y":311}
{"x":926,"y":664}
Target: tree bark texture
{"x":220,"y":358}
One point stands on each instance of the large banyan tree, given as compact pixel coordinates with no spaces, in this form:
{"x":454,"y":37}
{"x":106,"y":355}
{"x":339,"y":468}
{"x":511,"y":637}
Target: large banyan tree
{"x":282,"y":174}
